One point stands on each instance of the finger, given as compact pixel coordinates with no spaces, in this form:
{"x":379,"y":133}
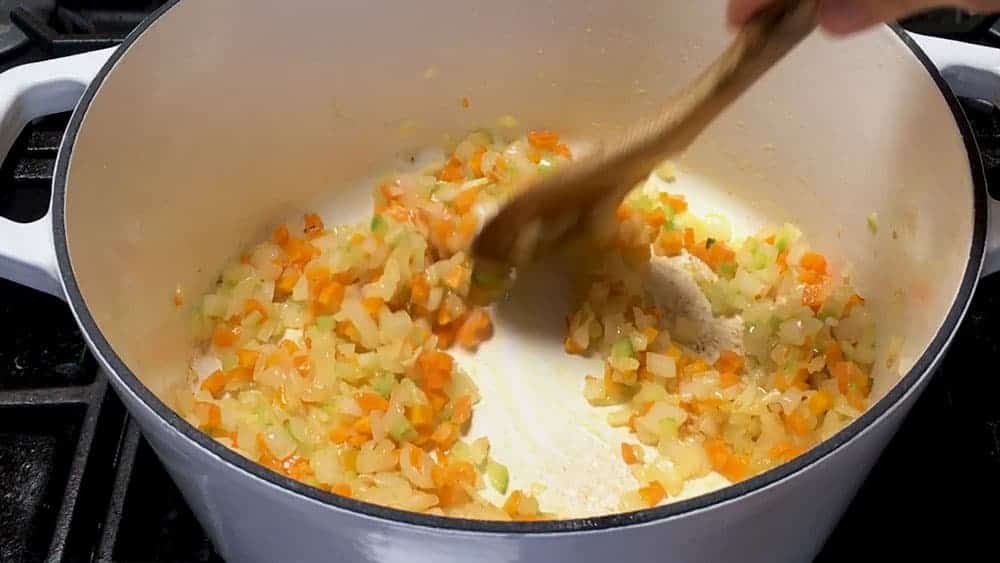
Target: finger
{"x":739,"y":11}
{"x":841,"y":17}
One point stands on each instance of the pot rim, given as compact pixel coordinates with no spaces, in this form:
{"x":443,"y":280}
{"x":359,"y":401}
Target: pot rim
{"x":873,"y":415}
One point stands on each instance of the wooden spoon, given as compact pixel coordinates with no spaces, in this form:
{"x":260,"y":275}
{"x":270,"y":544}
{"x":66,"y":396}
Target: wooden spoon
{"x":572,"y":200}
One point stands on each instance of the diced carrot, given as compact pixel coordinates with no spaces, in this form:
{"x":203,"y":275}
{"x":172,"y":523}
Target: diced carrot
{"x":288,"y":346}
{"x":729,"y":361}
{"x":435,"y":369}
{"x":214,"y":383}
{"x":372,"y":304}
{"x":676,"y":202}
{"x":779,"y":451}
{"x":362,"y":426}
{"x":266,"y":458}
{"x":820,"y":403}
{"x":461,"y":410}
{"x":630,"y":453}
{"x":317,"y":275}
{"x":443,"y":229}
{"x":420,"y":290}
{"x":465,"y":102}
{"x":782,"y":261}
{"x":669,"y":243}
{"x":445,"y":435}
{"x":358,"y":440}
{"x":281,"y":235}
{"x":770,"y":239}
{"x":452,"y":495}
{"x":372,"y":402}
{"x":240,"y":374}
{"x":571,"y":347}
{"x":728,"y":378}
{"x":833,"y":353}
{"x":420,"y":416}
{"x":810,"y":277}
{"x":718,"y":453}
{"x":467,"y":226}
{"x":851,"y":379}
{"x":286,"y":282}
{"x":544,"y":140}
{"x":476,"y":329}
{"x":452,"y":171}
{"x":562,"y":149}
{"x":655,"y":218}
{"x":437,"y":399}
{"x":464,"y":201}
{"x":339,"y":435}
{"x":446,"y":335}
{"x":646,"y":407}
{"x":813,"y":262}
{"x":299,"y":251}
{"x":798,"y":423}
{"x":331,"y":296}
{"x":689,"y":239}
{"x":652,"y":493}
{"x":297,"y":467}
{"x":247,"y":358}
{"x":302,"y":365}
{"x":650,"y":334}
{"x":612,"y":387}
{"x":513,"y":504}
{"x":313,"y":224}
{"x":476,"y":161}
{"x":251,"y":305}
{"x":853,"y":300}
{"x":342,"y":489}
{"x":812,"y":296}
{"x":225,"y":336}
{"x":210,"y":414}
{"x":178,"y":296}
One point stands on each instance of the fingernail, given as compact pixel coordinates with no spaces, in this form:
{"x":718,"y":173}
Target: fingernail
{"x":844,"y":16}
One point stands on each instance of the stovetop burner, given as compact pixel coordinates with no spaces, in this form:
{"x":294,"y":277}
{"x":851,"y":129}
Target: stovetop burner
{"x":80,"y":484}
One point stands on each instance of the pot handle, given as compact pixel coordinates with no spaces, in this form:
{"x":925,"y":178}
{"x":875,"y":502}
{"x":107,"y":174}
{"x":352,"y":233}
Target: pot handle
{"x":27,"y":92}
{"x":972,"y":71}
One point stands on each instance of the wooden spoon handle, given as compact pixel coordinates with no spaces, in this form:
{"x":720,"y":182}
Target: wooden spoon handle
{"x":554,"y":206}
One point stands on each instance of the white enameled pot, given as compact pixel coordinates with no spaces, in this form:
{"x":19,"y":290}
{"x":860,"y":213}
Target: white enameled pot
{"x":215,"y":120}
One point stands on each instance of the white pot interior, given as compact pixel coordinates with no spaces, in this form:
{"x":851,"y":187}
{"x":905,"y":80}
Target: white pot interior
{"x":229,"y":117}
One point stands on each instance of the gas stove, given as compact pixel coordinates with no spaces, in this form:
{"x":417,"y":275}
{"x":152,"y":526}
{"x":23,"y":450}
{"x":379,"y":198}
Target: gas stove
{"x":79,"y":483}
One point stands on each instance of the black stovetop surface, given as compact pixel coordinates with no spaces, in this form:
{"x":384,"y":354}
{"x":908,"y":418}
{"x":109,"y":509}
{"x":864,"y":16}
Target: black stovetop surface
{"x":78,"y":482}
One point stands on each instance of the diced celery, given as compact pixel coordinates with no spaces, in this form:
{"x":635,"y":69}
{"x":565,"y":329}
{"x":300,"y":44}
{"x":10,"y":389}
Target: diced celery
{"x":383,"y":383}
{"x":325,"y":323}
{"x":727,"y":269}
{"x":498,"y":475}
{"x":229,"y":361}
{"x":873,"y":222}
{"x":545,"y":166}
{"x":623,"y":348}
{"x":668,"y":428}
{"x":401,"y":430}
{"x":644,"y":203}
{"x":379,"y":224}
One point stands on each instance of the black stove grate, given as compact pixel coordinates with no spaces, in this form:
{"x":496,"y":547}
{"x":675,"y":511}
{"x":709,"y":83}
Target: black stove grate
{"x":80,"y":484}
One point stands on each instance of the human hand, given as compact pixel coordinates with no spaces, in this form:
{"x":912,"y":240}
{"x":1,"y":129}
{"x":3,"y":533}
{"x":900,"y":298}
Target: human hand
{"x":841,"y":17}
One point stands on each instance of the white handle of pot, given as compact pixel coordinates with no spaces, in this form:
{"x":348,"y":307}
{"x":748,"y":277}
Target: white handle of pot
{"x":27,"y":254}
{"x":972,"y":71}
